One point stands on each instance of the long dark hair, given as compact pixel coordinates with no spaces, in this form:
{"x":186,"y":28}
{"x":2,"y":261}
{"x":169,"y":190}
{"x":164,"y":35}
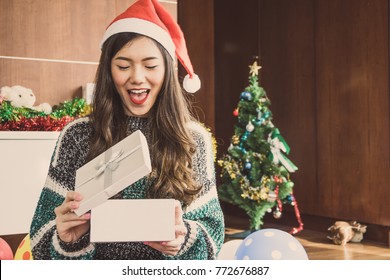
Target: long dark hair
{"x":171,"y":143}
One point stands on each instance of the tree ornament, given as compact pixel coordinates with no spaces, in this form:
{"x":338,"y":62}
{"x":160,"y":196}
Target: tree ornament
{"x":291,"y":199}
{"x":277,"y":214}
{"x":242,"y":96}
{"x":278,"y":180}
{"x":259,"y":121}
{"x":254,"y":69}
{"x":250,"y":127}
{"x":263,"y":193}
{"x":263,"y":99}
{"x":235,"y":112}
{"x":248,"y":165}
{"x":258,"y":113}
{"x":235,"y":140}
{"x":271,"y":196}
{"x":248,"y":96}
{"x":279,"y":145}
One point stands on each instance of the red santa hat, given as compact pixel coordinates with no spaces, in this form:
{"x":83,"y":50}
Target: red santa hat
{"x":149,"y":18}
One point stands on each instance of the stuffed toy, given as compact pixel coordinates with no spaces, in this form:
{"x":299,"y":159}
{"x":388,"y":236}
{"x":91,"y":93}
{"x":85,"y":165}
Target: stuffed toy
{"x":343,"y":232}
{"x":23,"y":97}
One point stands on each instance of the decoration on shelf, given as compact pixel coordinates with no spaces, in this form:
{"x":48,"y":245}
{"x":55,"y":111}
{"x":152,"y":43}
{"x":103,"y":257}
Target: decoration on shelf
{"x":20,"y":115}
{"x":342,"y":232}
{"x":255,"y":171}
{"x":270,"y":244}
{"x":22,"y":97}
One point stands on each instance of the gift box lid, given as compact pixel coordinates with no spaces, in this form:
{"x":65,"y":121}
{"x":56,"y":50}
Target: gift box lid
{"x":112,"y":171}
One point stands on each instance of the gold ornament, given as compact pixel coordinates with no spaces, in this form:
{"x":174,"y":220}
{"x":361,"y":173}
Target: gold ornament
{"x":264,"y":193}
{"x":254,"y":69}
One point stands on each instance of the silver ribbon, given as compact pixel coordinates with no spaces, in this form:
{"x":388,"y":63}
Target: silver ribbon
{"x":110,"y":164}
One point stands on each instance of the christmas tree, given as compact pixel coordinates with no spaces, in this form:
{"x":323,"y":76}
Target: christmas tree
{"x":255,"y":171}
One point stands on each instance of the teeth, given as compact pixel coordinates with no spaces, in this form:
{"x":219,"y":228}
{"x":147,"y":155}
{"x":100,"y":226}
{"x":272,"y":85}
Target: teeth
{"x":138,"y":91}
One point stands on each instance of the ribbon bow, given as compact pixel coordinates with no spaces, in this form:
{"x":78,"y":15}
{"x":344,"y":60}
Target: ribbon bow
{"x":111,"y":164}
{"x":278,"y":144}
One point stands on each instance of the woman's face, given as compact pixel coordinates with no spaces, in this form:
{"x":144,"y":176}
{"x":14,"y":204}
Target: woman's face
{"x":138,"y":73}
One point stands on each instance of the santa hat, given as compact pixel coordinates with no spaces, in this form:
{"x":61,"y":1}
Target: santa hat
{"x":149,"y":18}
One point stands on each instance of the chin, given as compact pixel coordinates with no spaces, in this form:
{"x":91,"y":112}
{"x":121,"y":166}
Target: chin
{"x":137,"y":113}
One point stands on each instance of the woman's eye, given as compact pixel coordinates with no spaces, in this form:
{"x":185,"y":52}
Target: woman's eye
{"x":123,"y":67}
{"x":151,"y":66}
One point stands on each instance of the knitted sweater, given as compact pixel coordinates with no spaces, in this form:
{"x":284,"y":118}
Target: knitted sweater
{"x":203,"y":217}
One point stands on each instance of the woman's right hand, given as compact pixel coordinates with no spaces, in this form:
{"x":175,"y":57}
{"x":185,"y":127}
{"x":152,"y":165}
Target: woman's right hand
{"x":71,"y":227}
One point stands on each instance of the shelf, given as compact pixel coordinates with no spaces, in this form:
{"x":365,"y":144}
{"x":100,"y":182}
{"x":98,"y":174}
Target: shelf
{"x":28,"y":135}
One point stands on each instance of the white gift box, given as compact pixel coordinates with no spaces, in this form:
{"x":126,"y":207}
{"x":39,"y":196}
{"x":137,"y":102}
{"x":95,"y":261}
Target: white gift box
{"x":132,"y":220}
{"x":112,"y":171}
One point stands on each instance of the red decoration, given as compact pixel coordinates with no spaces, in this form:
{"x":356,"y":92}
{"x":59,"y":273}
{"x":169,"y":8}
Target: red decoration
{"x":235,"y":113}
{"x":5,"y":250}
{"x":296,"y":210}
{"x":36,"y":124}
{"x":298,"y":216}
{"x":278,"y":179}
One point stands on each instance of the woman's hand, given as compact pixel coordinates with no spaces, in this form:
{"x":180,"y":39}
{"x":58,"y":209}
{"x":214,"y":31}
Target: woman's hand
{"x":171,"y":248}
{"x":71,"y":227}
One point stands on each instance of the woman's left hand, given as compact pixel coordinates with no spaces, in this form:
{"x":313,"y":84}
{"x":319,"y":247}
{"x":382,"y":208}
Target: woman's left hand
{"x":171,"y":248}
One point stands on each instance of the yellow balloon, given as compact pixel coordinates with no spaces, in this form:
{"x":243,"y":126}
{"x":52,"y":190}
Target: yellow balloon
{"x":24,"y":249}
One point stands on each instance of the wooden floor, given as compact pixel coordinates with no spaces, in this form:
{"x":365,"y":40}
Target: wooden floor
{"x":318,"y":247}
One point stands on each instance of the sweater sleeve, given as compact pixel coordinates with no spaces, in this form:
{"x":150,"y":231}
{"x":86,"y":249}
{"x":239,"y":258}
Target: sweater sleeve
{"x":68,"y":156}
{"x":203,"y":217}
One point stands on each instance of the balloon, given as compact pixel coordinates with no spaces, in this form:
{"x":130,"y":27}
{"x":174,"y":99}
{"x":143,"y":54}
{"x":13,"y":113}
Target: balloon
{"x":5,"y":250}
{"x":229,"y":249}
{"x":270,"y":244}
{"x":24,"y":249}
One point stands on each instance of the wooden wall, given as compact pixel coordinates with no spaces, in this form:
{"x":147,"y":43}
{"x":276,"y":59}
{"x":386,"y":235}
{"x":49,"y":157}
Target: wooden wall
{"x":326,"y":71}
{"x":196,"y":19}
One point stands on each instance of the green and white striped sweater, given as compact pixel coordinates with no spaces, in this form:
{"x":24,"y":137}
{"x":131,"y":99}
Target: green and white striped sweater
{"x":203,"y":217}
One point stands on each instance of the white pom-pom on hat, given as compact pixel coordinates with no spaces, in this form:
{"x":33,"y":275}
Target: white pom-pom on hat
{"x":191,"y":85}
{"x":149,"y":18}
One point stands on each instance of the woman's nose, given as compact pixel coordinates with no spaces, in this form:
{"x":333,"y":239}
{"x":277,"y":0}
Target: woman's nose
{"x":137,"y":76}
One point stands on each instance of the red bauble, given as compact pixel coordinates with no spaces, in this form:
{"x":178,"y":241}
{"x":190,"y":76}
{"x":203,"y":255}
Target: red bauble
{"x":5,"y":250}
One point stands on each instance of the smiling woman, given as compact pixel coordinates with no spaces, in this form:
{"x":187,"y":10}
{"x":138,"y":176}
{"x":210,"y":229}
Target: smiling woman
{"x":137,"y":88}
{"x":138,"y":71}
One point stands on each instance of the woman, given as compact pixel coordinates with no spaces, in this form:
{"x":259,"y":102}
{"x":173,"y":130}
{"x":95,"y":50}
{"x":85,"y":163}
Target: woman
{"x":136,"y":88}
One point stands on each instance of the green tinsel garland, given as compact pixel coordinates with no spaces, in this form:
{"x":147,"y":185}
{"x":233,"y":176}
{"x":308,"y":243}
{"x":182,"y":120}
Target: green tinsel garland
{"x":26,"y":119}
{"x":72,"y":108}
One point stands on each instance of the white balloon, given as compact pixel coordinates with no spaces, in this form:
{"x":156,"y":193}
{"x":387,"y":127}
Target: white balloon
{"x":228,"y":250}
{"x":271,"y":244}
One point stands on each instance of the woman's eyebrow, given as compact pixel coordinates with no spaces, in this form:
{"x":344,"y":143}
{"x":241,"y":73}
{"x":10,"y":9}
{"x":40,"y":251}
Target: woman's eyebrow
{"x":129,"y":59}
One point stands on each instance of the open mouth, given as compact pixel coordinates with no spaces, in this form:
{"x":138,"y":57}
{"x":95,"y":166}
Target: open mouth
{"x":138,"y":96}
